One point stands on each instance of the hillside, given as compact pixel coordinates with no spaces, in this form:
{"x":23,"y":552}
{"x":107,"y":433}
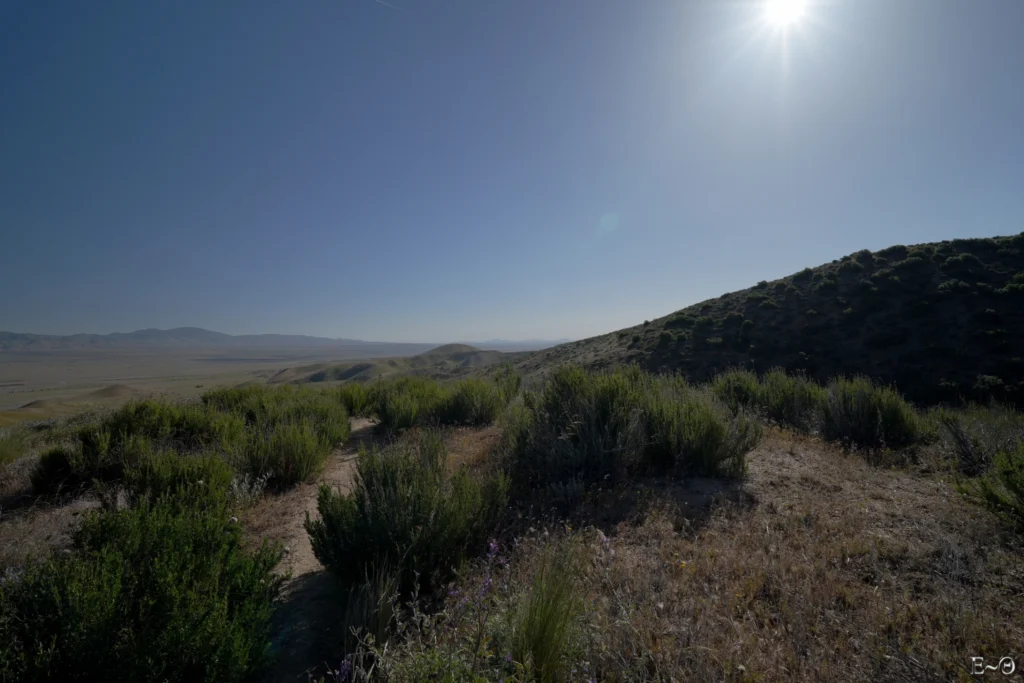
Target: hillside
{"x":938,"y":320}
{"x":443,"y":361}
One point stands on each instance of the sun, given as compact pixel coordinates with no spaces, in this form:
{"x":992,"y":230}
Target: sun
{"x":784,"y":13}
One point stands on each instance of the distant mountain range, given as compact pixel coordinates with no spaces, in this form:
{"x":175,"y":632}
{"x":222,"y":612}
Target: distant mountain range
{"x":197,"y":338}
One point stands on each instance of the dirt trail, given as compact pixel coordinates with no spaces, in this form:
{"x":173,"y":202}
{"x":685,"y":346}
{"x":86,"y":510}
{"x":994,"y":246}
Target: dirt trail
{"x":307,"y":622}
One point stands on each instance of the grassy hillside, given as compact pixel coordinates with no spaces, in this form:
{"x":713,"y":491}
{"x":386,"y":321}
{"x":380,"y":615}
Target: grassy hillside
{"x":939,"y":320}
{"x":444,"y":361}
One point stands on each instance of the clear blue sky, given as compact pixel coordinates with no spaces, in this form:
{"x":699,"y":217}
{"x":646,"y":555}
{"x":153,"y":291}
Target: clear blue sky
{"x":470,"y":169}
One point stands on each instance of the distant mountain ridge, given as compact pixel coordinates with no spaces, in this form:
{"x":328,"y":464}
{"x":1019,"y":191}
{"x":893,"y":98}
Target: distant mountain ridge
{"x":199,"y":338}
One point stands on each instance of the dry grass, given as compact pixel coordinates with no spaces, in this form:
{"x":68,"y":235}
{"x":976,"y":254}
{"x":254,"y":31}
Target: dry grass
{"x":839,"y":572}
{"x":822,"y":567}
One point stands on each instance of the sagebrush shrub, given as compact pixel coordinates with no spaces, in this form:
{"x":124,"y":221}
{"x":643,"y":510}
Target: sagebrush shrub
{"x":407,"y":515}
{"x":591,"y":428}
{"x":976,"y":434}
{"x":164,"y":591}
{"x":356,"y":398}
{"x":859,"y":413}
{"x":737,"y":388}
{"x":285,"y":453}
{"x":790,"y":400}
{"x":168,"y":472}
{"x":470,"y":402}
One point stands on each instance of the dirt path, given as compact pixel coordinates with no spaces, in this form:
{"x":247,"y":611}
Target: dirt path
{"x":307,"y":622}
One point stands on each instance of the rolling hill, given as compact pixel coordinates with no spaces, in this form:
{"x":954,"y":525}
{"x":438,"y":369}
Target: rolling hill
{"x":444,"y":361}
{"x":940,"y":321}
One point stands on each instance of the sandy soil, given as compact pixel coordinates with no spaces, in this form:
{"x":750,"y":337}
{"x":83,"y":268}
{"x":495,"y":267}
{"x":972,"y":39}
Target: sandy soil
{"x":307,"y":623}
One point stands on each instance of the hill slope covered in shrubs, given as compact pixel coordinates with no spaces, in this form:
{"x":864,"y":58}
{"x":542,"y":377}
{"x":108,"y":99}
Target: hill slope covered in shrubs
{"x":940,"y":321}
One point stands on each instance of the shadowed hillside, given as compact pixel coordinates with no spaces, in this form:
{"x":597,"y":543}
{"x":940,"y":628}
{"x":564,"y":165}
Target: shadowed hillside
{"x":939,"y":320}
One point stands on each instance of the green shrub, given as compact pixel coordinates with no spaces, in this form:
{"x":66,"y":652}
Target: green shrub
{"x":405,"y":514}
{"x":509,"y":382}
{"x":97,"y":457}
{"x":183,"y":426}
{"x":691,"y":433}
{"x":356,"y":398}
{"x":976,"y":434}
{"x":125,"y":437}
{"x":407,"y":402}
{"x":737,"y":388}
{"x":790,"y":400}
{"x":59,"y":470}
{"x":269,"y":406}
{"x":1002,"y":489}
{"x":12,"y":446}
{"x":158,"y":592}
{"x":168,"y":472}
{"x":470,"y":402}
{"x":858,"y":413}
{"x":585,"y":428}
{"x":286,"y":453}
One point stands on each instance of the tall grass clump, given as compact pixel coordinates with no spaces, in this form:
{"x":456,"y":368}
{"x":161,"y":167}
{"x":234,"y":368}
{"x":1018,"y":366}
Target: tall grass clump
{"x":405,"y":514}
{"x":858,"y":413}
{"x":543,"y":622}
{"x":162,"y":591}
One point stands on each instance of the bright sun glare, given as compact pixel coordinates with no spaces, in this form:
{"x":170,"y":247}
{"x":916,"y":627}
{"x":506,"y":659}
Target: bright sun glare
{"x":784,"y":13}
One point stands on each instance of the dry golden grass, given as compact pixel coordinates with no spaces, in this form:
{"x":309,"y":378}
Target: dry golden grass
{"x":839,"y":571}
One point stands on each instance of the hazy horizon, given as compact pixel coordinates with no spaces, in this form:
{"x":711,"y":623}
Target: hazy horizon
{"x":278,"y":334}
{"x":455,"y":170}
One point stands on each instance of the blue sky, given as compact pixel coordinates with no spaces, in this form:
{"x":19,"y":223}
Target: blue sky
{"x":461,"y":169}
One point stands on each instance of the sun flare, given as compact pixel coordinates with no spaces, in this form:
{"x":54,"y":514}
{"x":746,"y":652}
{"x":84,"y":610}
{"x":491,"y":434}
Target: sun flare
{"x":784,"y":13}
